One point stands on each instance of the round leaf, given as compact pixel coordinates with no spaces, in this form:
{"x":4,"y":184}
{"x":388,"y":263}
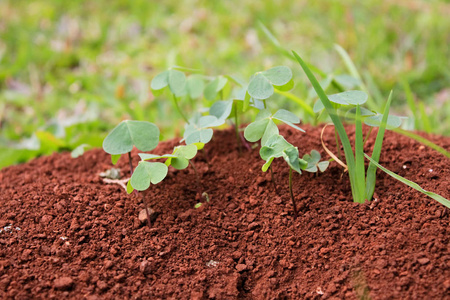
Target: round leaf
{"x":214,"y":87}
{"x":160,"y":81}
{"x":260,"y":87}
{"x":278,"y":75}
{"x":286,"y":116}
{"x":177,"y":82}
{"x":146,"y":173}
{"x":143,"y":135}
{"x":349,"y":98}
{"x":195,"y":86}
{"x":375,"y":121}
{"x":221,"y":109}
{"x":254,"y":131}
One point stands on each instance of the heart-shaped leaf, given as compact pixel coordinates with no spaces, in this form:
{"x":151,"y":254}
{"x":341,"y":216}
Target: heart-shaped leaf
{"x":290,"y":155}
{"x":375,"y":121}
{"x":349,"y":98}
{"x":143,"y":135}
{"x":314,"y":163}
{"x":195,"y":86}
{"x":176,"y":80}
{"x":262,"y":85}
{"x":288,"y":118}
{"x":147,"y":173}
{"x":221,"y":109}
{"x":198,"y":129}
{"x":179,"y":159}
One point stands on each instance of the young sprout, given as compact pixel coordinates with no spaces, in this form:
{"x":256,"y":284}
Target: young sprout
{"x":179,"y":159}
{"x":215,"y":88}
{"x":314,"y":163}
{"x":198,"y":129}
{"x":145,"y":137}
{"x":277,"y":146}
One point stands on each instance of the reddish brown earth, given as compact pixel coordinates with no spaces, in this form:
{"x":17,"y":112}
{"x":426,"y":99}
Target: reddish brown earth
{"x":72,"y":236}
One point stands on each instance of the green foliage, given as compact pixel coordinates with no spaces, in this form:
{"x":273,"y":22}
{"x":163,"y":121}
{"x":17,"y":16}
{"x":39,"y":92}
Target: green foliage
{"x":179,"y":159}
{"x":174,"y":79}
{"x":263,"y":84}
{"x":146,"y":173}
{"x":143,"y":135}
{"x":198,"y":130}
{"x":264,"y":126}
{"x":362,"y":187}
{"x":314,"y":163}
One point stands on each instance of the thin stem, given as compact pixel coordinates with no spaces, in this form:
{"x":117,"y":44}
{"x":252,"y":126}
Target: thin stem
{"x":131,"y":163}
{"x":236,"y":127}
{"x":147,"y":213}
{"x":265,"y":104}
{"x":199,"y":185}
{"x":338,"y":146}
{"x":292,"y":194}
{"x":367,"y":136}
{"x":178,"y":108}
{"x":273,"y":180}
{"x":206,"y":156}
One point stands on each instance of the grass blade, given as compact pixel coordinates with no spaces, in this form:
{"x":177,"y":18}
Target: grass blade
{"x":372,"y":169}
{"x":411,"y":103}
{"x":337,"y":123}
{"x":299,"y":101}
{"x":423,"y":141}
{"x":411,"y":184}
{"x":360,"y":175}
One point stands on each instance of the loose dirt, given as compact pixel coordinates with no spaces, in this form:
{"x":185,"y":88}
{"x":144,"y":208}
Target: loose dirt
{"x":64,"y":234}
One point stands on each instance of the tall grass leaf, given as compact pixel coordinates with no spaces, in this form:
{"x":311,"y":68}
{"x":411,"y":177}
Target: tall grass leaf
{"x":411,"y":184}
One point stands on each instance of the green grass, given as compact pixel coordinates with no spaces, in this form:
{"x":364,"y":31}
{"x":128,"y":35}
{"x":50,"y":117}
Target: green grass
{"x":73,"y":70}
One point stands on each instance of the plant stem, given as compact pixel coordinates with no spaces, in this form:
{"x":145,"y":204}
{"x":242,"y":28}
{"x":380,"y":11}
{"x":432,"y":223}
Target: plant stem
{"x":199,"y":185}
{"x":367,"y":136}
{"x":292,"y":194}
{"x":265,"y":104}
{"x":131,"y":163}
{"x":178,"y":108}
{"x":273,"y":180}
{"x":338,"y":146}
{"x":149,"y":222}
{"x":206,"y":156}
{"x":236,"y":127}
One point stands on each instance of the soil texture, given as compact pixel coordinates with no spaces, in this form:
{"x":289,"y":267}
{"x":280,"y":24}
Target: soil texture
{"x":65,"y":234}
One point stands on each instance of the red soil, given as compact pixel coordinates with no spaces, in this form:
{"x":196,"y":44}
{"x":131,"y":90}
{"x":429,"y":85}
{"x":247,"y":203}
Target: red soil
{"x":72,"y":236}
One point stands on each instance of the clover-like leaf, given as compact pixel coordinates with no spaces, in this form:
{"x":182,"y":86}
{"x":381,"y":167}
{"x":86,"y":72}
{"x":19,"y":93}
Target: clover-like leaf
{"x":290,"y":155}
{"x":349,"y":98}
{"x":179,"y":159}
{"x":198,"y":129}
{"x":195,"y":86}
{"x":264,"y":127}
{"x":176,"y":80}
{"x":262,"y":85}
{"x":314,"y":163}
{"x":221,"y":109}
{"x":392,"y":121}
{"x":147,"y":173}
{"x":214,"y":87}
{"x":143,"y":135}
{"x":277,"y":146}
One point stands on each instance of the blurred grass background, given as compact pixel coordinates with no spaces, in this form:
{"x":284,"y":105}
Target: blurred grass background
{"x":71,"y":70}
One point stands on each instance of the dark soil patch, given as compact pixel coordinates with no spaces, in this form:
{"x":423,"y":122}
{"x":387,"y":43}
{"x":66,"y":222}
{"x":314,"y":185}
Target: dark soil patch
{"x":72,"y":236}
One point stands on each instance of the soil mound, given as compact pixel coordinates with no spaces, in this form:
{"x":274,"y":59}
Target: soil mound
{"x":65,"y":234}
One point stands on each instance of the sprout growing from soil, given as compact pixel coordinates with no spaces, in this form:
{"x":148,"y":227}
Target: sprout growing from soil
{"x":145,"y":137}
{"x":314,"y":163}
{"x":179,"y":159}
{"x":276,"y":146}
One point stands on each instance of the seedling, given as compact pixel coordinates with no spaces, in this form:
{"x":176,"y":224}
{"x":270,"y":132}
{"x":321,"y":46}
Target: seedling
{"x":276,"y":146}
{"x":145,"y":137}
{"x":314,"y":163}
{"x":362,"y":187}
{"x":179,"y":159}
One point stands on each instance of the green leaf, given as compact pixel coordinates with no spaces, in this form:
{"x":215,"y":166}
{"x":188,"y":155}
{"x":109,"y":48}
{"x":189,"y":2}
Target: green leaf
{"x":146,"y":173}
{"x":195,"y":86}
{"x":221,"y":109}
{"x":347,"y":81}
{"x":349,"y":98}
{"x":160,"y":81}
{"x":143,"y":135}
{"x":115,"y":158}
{"x":197,"y":130}
{"x":78,"y":151}
{"x":147,"y":156}
{"x":290,"y":155}
{"x":260,"y":87}
{"x":323,"y":165}
{"x":274,"y":147}
{"x":318,"y":106}
{"x":375,"y":121}
{"x":278,"y":76}
{"x":177,"y":82}
{"x":130,"y":189}
{"x":286,"y":116}
{"x":284,"y":88}
{"x":214,"y":87}
{"x":411,"y":184}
